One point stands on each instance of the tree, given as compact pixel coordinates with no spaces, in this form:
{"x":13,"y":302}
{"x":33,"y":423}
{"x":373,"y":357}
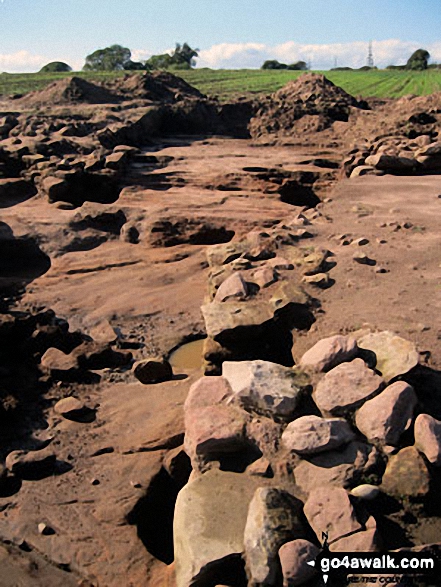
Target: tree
{"x":184,"y":56}
{"x":134,"y":65}
{"x":418,"y":60}
{"x":163,"y":61}
{"x":55,"y":66}
{"x":111,"y":58}
{"x":298,"y":66}
{"x":273,"y":64}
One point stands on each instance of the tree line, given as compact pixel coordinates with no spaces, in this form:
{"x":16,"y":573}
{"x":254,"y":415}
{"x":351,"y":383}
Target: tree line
{"x":117,"y":57}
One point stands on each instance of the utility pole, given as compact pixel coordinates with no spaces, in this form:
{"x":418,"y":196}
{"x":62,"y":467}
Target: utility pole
{"x":370,"y":57}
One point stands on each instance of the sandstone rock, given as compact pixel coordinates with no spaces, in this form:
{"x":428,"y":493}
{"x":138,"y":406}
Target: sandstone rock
{"x":274,"y":517}
{"x":280,"y":264}
{"x":428,"y":438}
{"x":96,"y":355}
{"x":395,"y":355}
{"x":406,"y":474}
{"x":330,"y":352}
{"x":363,"y":259}
{"x":209,"y":523}
{"x":361,"y":170}
{"x":294,"y":556}
{"x":339,"y":468}
{"x":265,"y":387}
{"x":116,"y":160}
{"x":152,"y":370}
{"x":390,"y":162}
{"x":329,"y":509}
{"x":265,"y":434}
{"x":214,"y":430}
{"x":365,"y":541}
{"x":208,"y":391}
{"x":57,"y":189}
{"x":385,"y":417}
{"x":228,"y":316}
{"x":365,"y":491}
{"x":223,"y":254}
{"x":103,"y":333}
{"x":311,"y":434}
{"x":264,"y":277}
{"x":260,"y":468}
{"x":430,"y":149}
{"x":69,"y":407}
{"x":31,"y":465}
{"x":346,"y":387}
{"x":55,"y":360}
{"x":321,"y":280}
{"x":45,"y":530}
{"x":233,"y":287}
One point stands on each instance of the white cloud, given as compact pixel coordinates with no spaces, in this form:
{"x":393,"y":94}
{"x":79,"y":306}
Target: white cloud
{"x":321,"y":56}
{"x":26,"y":62}
{"x":22,"y":61}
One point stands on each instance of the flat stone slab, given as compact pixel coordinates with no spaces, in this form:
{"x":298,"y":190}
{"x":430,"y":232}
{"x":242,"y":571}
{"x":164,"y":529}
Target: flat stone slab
{"x":209,"y":523}
{"x":395,"y":355}
{"x":346,"y":387}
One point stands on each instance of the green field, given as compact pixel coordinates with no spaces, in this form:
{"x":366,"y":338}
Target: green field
{"x":228,"y":83}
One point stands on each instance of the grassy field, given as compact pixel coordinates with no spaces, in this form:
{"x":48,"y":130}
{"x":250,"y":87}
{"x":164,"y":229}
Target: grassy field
{"x":228,"y":83}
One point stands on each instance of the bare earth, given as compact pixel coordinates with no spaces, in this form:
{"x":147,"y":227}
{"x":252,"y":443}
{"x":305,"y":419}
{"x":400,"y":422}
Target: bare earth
{"x":107,"y":512}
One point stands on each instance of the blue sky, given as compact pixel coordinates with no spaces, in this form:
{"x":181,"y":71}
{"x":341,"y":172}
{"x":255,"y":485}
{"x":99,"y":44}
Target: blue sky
{"x":229,"y":33}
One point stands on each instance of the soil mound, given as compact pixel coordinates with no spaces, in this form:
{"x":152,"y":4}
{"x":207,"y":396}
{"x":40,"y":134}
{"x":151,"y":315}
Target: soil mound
{"x":311,"y":95}
{"x":71,"y":90}
{"x":159,"y":86}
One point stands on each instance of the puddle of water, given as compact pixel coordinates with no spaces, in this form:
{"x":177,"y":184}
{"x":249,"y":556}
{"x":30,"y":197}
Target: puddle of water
{"x":188,"y":356}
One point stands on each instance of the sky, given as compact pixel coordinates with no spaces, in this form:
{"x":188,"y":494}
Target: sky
{"x":228,"y":33}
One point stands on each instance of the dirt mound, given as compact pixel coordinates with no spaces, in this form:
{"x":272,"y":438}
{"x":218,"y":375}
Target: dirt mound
{"x":71,"y":90}
{"x":310,"y":95}
{"x":159,"y":86}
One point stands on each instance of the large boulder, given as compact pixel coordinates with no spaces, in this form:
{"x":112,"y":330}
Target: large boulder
{"x":208,"y":391}
{"x":274,"y":517}
{"x":214,"y":430}
{"x":329,"y":352}
{"x":311,"y":434}
{"x":427,"y":432}
{"x":342,"y":468}
{"x":294,"y":558}
{"x":395,"y":355}
{"x":209,"y":524}
{"x":384,"y":418}
{"x":329,"y":509}
{"x":406,"y":475}
{"x":346,"y":387}
{"x":265,"y":387}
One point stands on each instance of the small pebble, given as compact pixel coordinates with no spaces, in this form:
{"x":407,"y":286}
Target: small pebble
{"x":45,"y":530}
{"x":365,"y":491}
